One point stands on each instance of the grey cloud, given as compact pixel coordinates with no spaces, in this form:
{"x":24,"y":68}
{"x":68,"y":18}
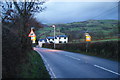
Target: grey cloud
{"x":62,"y":12}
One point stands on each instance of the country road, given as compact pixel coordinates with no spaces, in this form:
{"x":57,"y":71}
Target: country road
{"x":63,"y":64}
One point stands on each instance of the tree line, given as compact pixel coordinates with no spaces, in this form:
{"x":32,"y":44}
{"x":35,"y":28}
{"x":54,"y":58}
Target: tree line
{"x":17,"y":19}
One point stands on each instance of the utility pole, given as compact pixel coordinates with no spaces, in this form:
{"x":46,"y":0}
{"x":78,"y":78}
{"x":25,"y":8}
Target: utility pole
{"x":54,"y":35}
{"x":86,"y":47}
{"x":59,"y":31}
{"x":88,"y":39}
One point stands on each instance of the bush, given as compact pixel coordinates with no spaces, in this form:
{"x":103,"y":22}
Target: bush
{"x":15,"y":61}
{"x":11,"y":54}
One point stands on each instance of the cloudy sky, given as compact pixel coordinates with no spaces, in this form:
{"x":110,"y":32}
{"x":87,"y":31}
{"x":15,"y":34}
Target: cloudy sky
{"x":71,"y":11}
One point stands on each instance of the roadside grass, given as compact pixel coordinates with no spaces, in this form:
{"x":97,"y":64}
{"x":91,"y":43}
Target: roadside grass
{"x":33,"y":67}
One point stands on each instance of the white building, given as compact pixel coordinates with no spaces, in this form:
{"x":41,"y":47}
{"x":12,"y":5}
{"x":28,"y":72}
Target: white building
{"x":41,"y":41}
{"x":50,"y":39}
{"x":58,"y":39}
{"x":61,"y":39}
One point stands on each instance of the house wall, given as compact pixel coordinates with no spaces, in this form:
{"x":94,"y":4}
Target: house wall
{"x":63,"y":40}
{"x":43,"y":41}
{"x":47,"y":41}
{"x":51,"y":40}
{"x":40,"y":43}
{"x":58,"y":40}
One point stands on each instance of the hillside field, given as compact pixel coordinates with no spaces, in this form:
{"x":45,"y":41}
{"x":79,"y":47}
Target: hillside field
{"x":98,"y":29}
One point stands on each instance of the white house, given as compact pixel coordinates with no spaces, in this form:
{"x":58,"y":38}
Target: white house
{"x":61,"y":39}
{"x":50,"y":39}
{"x":41,"y":41}
{"x":58,"y":39}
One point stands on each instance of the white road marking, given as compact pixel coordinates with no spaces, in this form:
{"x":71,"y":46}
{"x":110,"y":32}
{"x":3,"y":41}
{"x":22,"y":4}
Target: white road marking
{"x":52,"y":72}
{"x":106,"y":69}
{"x":73,"y":57}
{"x":48,"y":66}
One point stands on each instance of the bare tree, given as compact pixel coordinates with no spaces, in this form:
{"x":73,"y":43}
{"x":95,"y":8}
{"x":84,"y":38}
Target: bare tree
{"x":7,"y":11}
{"x":26,"y":10}
{"x":21,"y":13}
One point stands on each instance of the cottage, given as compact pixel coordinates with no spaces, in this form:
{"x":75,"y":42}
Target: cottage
{"x":50,"y":39}
{"x":61,"y":39}
{"x":58,"y":39}
{"x":41,"y":41}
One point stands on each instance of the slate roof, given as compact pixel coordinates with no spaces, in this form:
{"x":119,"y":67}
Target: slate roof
{"x":57,"y":36}
{"x":61,"y":36}
{"x":50,"y":37}
{"x":43,"y":40}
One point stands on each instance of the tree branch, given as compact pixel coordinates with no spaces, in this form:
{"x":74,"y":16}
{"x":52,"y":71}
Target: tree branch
{"x":17,"y":7}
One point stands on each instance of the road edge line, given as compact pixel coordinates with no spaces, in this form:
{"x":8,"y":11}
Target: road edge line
{"x":47,"y":66}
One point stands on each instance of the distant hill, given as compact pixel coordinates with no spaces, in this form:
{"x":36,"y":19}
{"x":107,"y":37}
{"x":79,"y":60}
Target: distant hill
{"x":98,"y":29}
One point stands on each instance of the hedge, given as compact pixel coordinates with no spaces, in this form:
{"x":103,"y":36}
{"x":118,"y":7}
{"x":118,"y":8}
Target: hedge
{"x":108,"y":49}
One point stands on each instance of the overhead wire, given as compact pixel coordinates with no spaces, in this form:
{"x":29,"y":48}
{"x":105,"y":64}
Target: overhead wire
{"x":104,"y":12}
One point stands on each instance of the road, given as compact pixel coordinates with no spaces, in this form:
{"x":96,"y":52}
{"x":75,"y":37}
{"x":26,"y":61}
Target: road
{"x":63,"y":64}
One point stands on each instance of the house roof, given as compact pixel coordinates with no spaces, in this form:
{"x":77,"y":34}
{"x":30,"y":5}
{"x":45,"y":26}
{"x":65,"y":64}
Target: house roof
{"x":61,"y":36}
{"x":57,"y":36}
{"x":50,"y":37}
{"x":43,"y":40}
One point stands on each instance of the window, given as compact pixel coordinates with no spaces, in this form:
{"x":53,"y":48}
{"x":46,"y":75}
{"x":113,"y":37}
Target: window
{"x":60,"y":41}
{"x":48,"y":39}
{"x":64,"y":37}
{"x":64,"y":41}
{"x":51,"y":42}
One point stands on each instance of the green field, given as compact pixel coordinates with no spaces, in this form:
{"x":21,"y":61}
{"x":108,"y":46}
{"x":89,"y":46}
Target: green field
{"x":98,"y":29}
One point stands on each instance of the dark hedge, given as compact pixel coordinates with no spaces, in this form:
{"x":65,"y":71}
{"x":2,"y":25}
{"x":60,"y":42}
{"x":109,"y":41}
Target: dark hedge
{"x":107,"y":49}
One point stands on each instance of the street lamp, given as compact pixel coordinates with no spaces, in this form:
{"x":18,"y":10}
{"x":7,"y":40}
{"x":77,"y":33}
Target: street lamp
{"x":54,"y":35}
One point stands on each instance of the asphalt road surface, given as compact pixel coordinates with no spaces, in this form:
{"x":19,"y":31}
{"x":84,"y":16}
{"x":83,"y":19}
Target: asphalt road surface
{"x":63,"y":64}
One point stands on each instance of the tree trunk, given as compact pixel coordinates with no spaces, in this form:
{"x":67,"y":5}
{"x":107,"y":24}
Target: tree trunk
{"x":25,"y":40}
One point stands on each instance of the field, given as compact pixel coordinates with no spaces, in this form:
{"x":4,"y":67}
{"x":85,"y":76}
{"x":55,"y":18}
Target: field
{"x":98,"y":29}
{"x":104,"y":33}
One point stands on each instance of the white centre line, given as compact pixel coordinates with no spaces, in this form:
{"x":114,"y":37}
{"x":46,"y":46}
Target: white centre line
{"x":106,"y":69}
{"x":73,"y":57}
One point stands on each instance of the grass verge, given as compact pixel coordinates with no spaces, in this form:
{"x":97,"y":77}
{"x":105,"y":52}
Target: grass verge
{"x":33,"y":67}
